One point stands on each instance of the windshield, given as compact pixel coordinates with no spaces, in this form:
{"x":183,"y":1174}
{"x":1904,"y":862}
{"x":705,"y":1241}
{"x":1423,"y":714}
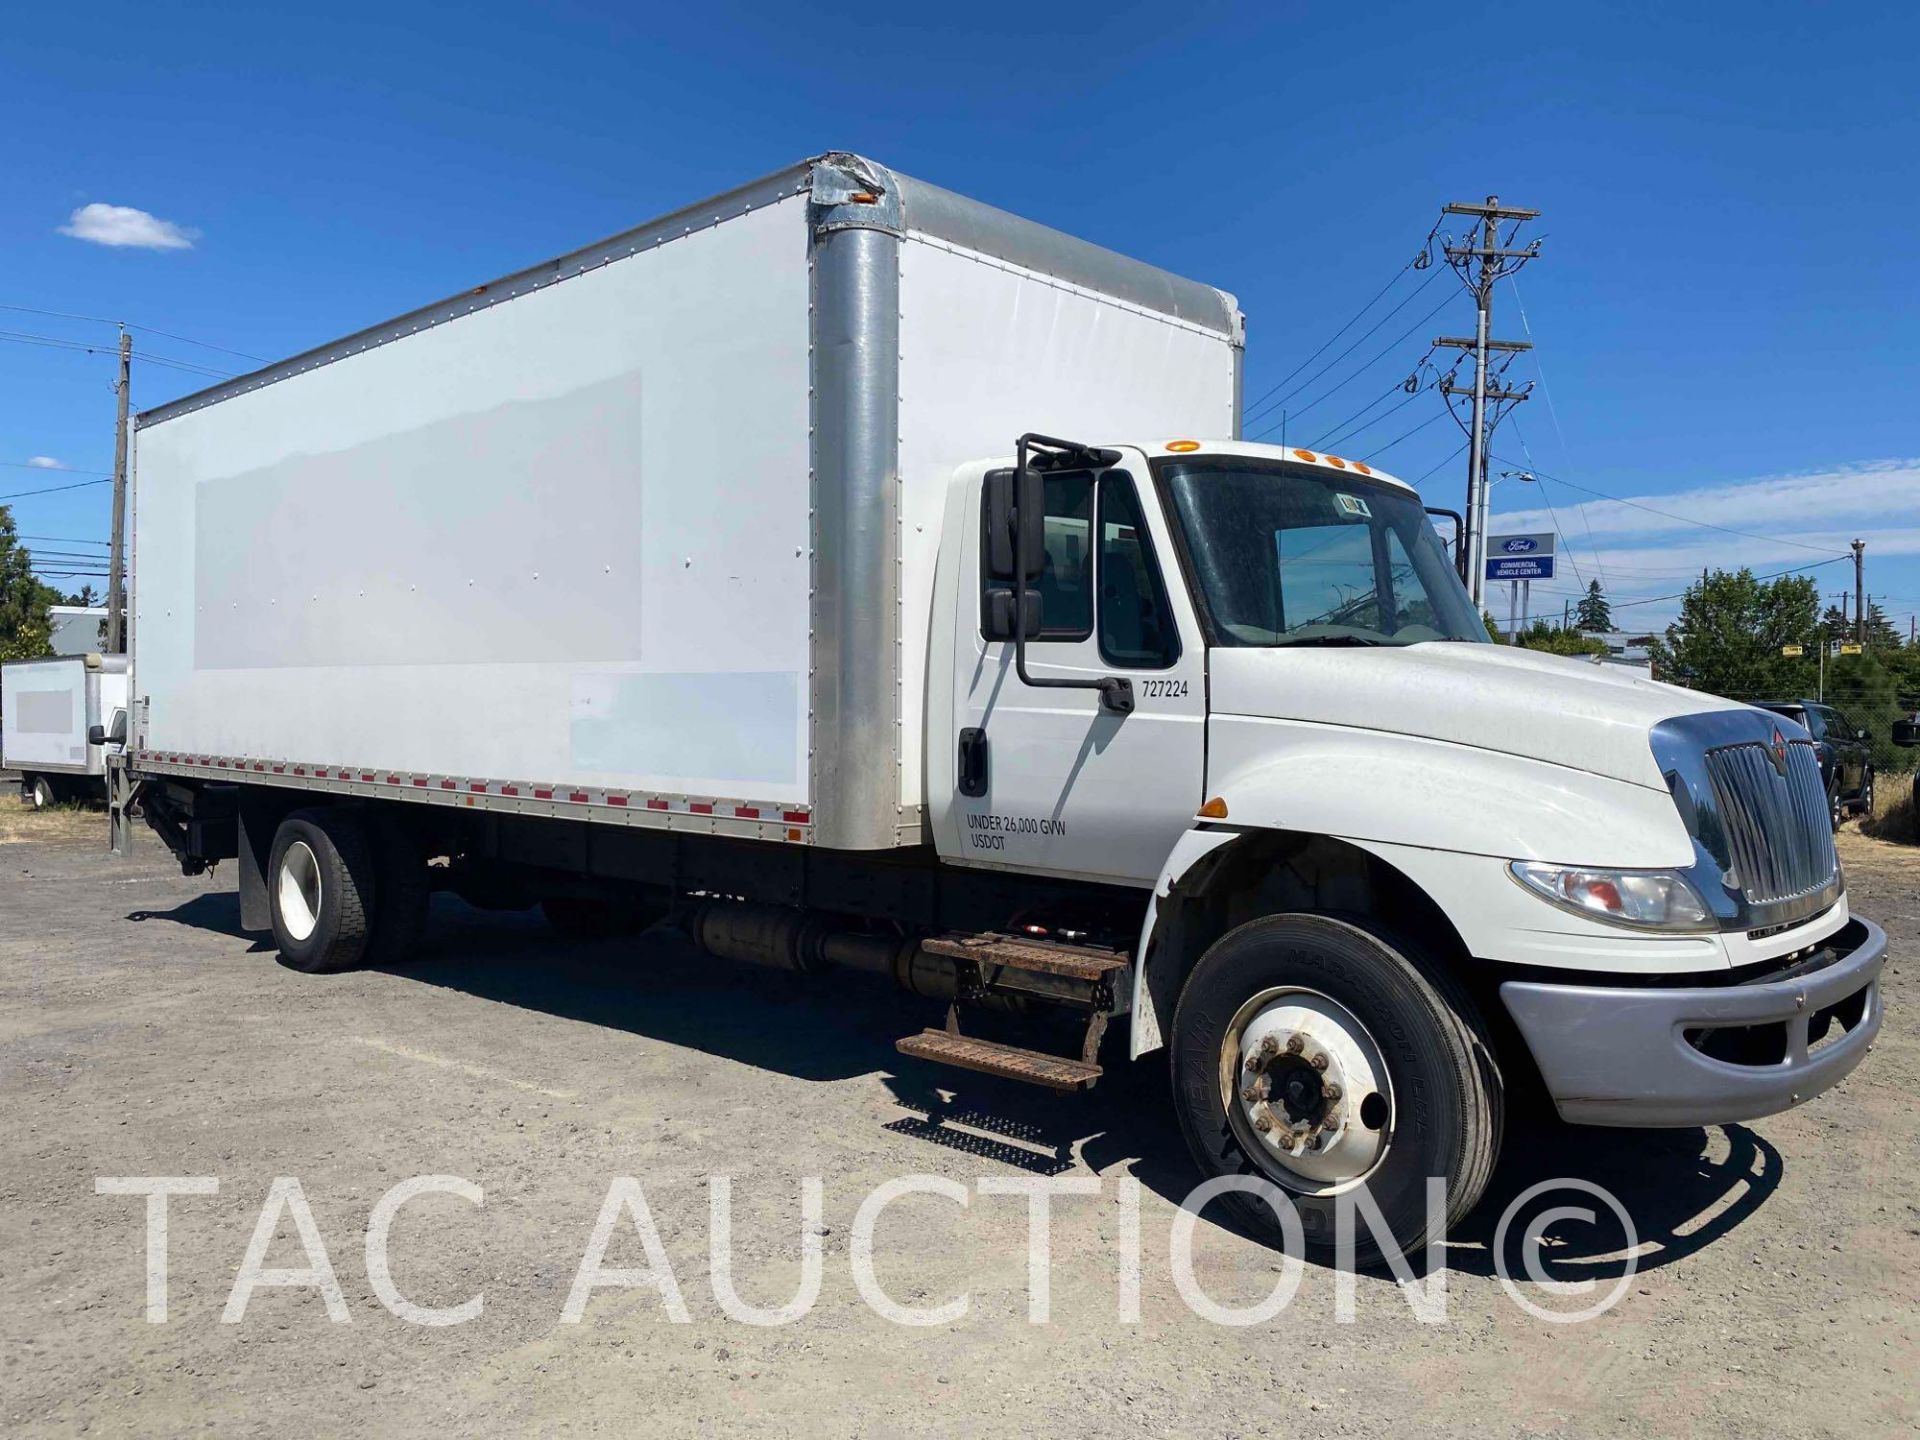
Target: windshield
{"x":1284,"y":555}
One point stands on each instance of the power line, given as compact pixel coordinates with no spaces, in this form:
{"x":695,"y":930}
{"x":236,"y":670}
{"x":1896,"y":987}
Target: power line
{"x":1406,"y":436}
{"x":149,"y":329}
{"x":1436,"y":468}
{"x":1683,"y":519}
{"x":53,"y":342}
{"x":56,"y":489}
{"x":1413,"y":264}
{"x":1775,"y":575}
{"x":54,"y":469}
{"x":60,"y":540}
{"x":1368,"y":365}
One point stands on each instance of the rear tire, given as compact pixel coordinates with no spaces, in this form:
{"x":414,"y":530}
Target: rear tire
{"x":403,"y":889}
{"x":320,"y":889}
{"x":1382,"y":1019}
{"x":1865,"y":804}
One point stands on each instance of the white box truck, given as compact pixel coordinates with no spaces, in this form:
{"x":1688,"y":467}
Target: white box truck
{"x":58,"y":718}
{"x":870,"y":579}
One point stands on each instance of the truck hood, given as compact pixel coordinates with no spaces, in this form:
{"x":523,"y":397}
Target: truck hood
{"x":1494,"y":697}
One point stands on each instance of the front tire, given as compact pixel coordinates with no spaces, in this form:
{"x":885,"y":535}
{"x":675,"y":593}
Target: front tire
{"x":41,"y":795}
{"x":1866,"y":797}
{"x":320,"y":885}
{"x":1317,"y":1054}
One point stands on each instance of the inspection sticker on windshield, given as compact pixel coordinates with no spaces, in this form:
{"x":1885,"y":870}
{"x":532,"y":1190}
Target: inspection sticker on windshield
{"x":1353,"y":505}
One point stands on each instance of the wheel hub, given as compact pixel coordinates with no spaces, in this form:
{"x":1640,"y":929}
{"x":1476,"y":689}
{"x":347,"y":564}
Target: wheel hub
{"x":1304,"y":1070}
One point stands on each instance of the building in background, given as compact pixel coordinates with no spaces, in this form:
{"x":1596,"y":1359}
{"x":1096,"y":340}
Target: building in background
{"x":79,"y":629}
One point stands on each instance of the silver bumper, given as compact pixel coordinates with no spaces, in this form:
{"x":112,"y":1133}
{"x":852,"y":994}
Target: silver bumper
{"x":1623,"y":1055}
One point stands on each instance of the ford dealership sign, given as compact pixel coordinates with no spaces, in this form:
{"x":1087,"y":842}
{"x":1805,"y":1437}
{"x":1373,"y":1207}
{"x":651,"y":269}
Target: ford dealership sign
{"x":1519,"y":557}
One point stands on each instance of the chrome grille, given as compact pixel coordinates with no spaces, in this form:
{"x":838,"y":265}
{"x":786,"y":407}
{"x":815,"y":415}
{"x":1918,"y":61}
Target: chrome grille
{"x":1779,"y":837}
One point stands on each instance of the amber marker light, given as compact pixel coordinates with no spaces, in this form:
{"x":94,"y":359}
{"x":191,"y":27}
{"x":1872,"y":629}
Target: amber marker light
{"x":1183,"y":447}
{"x":1214,"y":809}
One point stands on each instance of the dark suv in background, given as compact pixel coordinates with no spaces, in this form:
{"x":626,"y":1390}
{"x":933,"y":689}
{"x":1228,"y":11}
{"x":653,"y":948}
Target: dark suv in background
{"x":1846,"y":763}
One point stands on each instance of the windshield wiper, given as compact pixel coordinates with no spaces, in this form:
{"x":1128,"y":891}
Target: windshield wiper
{"x":1326,"y":640}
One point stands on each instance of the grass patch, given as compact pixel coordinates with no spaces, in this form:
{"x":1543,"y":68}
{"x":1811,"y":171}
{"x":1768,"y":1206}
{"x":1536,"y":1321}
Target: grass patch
{"x":65,"y":824}
{"x":1894,"y":816}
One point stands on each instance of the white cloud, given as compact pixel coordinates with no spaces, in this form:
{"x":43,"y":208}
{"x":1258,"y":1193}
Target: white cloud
{"x":122,"y":225}
{"x":1830,"y":499}
{"x":1788,"y":522}
{"x":46,"y":462}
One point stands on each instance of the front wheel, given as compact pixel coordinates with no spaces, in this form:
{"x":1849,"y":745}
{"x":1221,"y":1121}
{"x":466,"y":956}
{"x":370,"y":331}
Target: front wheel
{"x":1316,"y":1054}
{"x":41,"y":794}
{"x":1866,"y":796}
{"x":1836,"y":808}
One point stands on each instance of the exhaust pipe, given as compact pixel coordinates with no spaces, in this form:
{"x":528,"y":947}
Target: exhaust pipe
{"x":781,"y":938}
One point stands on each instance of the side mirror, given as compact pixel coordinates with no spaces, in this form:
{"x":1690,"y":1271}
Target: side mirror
{"x":998,"y":621}
{"x":1007,"y":538}
{"x":96,"y":735}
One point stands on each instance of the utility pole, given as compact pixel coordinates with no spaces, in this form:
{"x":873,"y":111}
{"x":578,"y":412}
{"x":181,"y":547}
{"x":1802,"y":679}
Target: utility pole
{"x":1494,"y":263}
{"x":116,"y":563}
{"x":1859,"y":595}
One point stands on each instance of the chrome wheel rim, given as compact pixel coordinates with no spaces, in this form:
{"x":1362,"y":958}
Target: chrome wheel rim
{"x":1306,"y":1090}
{"x":299,"y":890}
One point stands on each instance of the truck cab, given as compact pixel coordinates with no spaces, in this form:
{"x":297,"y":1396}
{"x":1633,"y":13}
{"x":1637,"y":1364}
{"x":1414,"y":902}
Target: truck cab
{"x":1254,"y":683}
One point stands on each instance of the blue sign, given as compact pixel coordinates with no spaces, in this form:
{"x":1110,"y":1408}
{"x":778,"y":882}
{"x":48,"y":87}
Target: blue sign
{"x":1519,"y":567}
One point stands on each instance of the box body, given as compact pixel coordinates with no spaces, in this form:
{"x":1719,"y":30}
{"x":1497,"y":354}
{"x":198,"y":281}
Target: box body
{"x":646,"y":534}
{"x":47,"y":707}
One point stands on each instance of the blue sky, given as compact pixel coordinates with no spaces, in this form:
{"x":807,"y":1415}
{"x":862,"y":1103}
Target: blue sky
{"x":1726,"y":305}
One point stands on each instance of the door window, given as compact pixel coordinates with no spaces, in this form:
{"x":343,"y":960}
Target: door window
{"x":1136,"y":625}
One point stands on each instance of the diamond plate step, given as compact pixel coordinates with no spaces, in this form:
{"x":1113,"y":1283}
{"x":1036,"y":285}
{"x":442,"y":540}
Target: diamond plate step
{"x":1056,"y":1072}
{"x":1075,"y":962}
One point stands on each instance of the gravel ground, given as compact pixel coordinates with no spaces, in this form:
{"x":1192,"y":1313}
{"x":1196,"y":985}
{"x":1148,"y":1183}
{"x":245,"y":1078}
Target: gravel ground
{"x":142,"y":1034}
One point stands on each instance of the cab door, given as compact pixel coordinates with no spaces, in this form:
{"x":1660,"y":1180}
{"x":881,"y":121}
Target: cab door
{"x":1049,"y":779}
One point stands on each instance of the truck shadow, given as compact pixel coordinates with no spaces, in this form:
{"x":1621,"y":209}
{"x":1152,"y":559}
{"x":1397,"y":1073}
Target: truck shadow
{"x":1682,"y":1189}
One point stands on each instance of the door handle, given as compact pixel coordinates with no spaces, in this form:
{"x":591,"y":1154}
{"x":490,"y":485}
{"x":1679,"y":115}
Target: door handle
{"x":973,"y":761}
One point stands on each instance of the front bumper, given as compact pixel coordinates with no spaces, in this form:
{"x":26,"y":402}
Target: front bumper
{"x":1703,"y":1055}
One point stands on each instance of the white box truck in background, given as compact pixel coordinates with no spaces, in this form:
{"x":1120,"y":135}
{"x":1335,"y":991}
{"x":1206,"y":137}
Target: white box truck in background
{"x":58,"y":717}
{"x":735,"y":568}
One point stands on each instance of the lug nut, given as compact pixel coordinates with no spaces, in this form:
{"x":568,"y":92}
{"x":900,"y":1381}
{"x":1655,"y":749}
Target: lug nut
{"x":1319,"y":1062}
{"x":1331,"y":1092}
{"x":1294,"y":1044}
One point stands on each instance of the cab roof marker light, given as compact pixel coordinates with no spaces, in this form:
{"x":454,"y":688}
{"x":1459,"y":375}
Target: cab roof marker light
{"x":1362,"y":468}
{"x":1335,"y":461}
{"x":1183,"y":447}
{"x":1306,"y":455}
{"x":1214,"y":809}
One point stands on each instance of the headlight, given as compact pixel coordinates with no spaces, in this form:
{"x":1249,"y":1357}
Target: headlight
{"x":1644,"y":899}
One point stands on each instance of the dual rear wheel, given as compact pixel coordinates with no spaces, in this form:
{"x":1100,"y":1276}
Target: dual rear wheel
{"x":349,"y":887}
{"x":345,"y":889}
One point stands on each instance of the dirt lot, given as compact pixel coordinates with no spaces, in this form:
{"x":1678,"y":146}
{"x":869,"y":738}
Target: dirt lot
{"x":142,"y":1034}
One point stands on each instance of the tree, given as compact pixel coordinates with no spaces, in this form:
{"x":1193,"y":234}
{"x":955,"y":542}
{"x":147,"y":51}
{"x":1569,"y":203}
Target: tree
{"x":26,"y":628}
{"x":1544,"y":637}
{"x":1730,"y":633}
{"x":84,"y":596}
{"x":1880,"y":632}
{"x":1593,"y":612}
{"x":1867,"y":692}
